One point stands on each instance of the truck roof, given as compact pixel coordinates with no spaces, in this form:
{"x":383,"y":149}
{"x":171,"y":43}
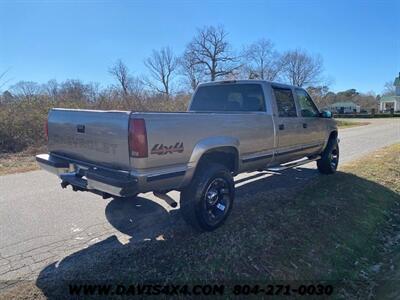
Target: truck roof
{"x":244,"y":81}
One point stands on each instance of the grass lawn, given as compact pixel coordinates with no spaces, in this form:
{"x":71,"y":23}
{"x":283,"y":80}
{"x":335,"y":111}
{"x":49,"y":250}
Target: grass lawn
{"x":342,"y":229}
{"x":342,"y":124}
{"x":20,"y":162}
{"x":17,"y":163}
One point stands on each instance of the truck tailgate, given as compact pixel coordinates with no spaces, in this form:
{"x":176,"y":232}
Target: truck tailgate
{"x":98,"y":137}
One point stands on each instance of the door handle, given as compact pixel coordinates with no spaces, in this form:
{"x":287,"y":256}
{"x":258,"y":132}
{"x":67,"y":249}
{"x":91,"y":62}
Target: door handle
{"x":304,"y":125}
{"x":281,"y":126}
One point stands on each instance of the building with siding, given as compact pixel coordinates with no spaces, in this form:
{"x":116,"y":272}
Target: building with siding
{"x":391,"y":103}
{"x":344,"y":108}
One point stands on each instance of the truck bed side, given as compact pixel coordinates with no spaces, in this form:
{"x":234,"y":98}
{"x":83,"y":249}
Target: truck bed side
{"x":176,"y":141}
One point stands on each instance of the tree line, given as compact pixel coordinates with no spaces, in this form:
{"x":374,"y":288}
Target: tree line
{"x":209,"y":56}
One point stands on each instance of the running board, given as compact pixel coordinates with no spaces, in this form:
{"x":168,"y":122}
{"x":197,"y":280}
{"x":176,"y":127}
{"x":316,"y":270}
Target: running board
{"x":293,"y":164}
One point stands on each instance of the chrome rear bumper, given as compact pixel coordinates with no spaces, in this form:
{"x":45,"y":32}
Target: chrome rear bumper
{"x":89,"y":178}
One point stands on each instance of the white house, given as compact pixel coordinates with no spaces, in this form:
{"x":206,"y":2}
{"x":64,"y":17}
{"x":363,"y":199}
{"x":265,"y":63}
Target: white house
{"x":387,"y":103}
{"x":344,"y":108}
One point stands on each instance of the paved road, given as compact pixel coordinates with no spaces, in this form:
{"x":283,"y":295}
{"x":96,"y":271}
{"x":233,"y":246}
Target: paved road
{"x":41,"y":224}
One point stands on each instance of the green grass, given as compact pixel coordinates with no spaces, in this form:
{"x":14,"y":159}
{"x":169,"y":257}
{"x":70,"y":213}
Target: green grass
{"x":335,"y":229}
{"x":347,"y":124}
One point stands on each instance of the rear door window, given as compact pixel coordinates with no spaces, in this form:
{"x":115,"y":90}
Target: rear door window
{"x":229,"y":97}
{"x":285,"y":102}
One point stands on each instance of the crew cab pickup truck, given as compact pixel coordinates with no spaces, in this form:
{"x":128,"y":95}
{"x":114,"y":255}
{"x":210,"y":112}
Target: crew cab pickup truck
{"x":231,"y":127}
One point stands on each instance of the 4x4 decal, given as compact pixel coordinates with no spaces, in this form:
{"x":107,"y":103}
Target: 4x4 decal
{"x":160,"y":149}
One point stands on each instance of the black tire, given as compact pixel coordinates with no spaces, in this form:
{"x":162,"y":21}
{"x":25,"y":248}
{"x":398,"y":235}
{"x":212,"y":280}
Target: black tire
{"x":329,"y":158}
{"x":208,"y":200}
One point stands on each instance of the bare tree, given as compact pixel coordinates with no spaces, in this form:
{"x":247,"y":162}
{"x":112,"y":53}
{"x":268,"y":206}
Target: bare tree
{"x":130,"y":86}
{"x":162,"y":65}
{"x":51,"y":88}
{"x":192,"y":72}
{"x":6,"y":97}
{"x":300,"y":68}
{"x":121,"y":73}
{"x":93,"y":91}
{"x":26,"y":89}
{"x":261,"y":61}
{"x":319,"y":95}
{"x":73,"y":90}
{"x":211,"y":51}
{"x":389,"y":89}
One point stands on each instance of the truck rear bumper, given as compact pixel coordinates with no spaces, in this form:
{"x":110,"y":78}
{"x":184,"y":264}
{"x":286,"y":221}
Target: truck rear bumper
{"x":94,"y":179}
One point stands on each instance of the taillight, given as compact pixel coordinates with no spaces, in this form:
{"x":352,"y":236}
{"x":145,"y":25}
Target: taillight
{"x":137,"y":138}
{"x":46,"y":129}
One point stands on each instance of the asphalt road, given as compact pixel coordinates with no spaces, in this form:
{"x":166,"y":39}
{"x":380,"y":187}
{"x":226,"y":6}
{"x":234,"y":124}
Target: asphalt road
{"x":41,"y":224}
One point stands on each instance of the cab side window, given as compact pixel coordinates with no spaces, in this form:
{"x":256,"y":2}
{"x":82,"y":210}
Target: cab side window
{"x":307,"y":106}
{"x":285,"y":102}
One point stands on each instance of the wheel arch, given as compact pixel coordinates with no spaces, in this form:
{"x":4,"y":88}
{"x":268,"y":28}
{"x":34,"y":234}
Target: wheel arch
{"x":223,"y":150}
{"x":333,"y":134}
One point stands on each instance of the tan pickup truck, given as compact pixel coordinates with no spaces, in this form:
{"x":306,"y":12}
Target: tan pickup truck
{"x":231,"y":127}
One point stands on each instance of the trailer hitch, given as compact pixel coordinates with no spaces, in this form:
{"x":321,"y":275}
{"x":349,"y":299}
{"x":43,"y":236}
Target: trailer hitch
{"x":65,"y":184}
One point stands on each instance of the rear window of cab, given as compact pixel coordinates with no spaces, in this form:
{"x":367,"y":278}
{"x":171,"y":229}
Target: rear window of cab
{"x":229,"y":97}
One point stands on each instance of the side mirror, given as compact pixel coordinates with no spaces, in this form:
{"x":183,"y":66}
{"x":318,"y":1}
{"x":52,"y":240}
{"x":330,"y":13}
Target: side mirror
{"x":325,"y":114}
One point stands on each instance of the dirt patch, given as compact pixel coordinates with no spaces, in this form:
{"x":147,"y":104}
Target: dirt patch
{"x":11,"y":163}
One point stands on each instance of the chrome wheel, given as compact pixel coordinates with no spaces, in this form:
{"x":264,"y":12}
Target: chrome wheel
{"x":334,"y":158}
{"x":329,"y":160}
{"x":217,"y":201}
{"x":208,"y":200}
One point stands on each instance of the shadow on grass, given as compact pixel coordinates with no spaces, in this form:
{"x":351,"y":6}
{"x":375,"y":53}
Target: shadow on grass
{"x":273,"y":233}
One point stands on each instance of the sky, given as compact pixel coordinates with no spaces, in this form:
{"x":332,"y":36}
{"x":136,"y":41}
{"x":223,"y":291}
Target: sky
{"x":359,"y":41}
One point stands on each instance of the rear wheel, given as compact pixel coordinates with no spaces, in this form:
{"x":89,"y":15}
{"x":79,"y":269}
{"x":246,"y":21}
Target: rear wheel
{"x":208,"y":200}
{"x":329,"y":158}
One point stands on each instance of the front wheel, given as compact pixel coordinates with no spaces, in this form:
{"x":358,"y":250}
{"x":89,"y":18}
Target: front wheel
{"x":208,"y":200}
{"x":329,"y":160}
